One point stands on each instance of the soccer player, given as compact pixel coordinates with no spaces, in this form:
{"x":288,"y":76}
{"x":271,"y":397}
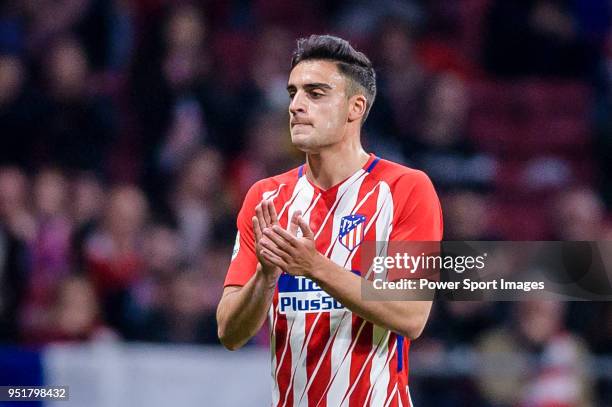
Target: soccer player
{"x":297,"y":254}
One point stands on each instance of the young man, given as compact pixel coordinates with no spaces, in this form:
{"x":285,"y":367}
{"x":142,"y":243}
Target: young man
{"x":298,"y":247}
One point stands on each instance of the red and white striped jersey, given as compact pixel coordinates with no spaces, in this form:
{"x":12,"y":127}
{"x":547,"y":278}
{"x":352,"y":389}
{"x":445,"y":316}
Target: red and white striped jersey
{"x":322,"y":354}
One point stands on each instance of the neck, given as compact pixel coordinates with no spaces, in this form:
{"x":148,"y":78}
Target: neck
{"x":335,"y":164}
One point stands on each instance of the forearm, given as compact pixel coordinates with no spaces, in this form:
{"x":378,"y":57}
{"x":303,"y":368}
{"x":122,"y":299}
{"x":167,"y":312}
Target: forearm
{"x":407,"y":317}
{"x":241,"y":313}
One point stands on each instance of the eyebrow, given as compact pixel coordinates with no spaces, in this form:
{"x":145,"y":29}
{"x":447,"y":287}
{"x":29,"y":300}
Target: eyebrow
{"x":310,"y":86}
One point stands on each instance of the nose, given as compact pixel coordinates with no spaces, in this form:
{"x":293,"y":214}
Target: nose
{"x":297,"y":103}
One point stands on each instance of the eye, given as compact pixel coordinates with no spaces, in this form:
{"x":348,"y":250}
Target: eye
{"x":316,"y":95}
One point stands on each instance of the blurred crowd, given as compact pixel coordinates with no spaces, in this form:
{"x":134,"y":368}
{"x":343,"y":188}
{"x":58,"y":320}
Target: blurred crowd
{"x":130,"y":131}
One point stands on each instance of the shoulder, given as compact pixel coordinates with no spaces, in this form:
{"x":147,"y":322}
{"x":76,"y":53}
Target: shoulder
{"x":417,"y":214}
{"x":401,"y":178}
{"x":411,"y":190}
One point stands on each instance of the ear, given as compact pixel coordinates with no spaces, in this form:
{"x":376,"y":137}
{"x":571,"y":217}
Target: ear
{"x":357,"y":107}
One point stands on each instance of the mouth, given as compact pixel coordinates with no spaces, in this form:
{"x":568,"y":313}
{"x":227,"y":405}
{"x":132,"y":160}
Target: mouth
{"x":293,"y":124}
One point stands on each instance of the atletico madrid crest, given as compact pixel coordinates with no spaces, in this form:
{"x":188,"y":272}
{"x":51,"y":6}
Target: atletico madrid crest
{"x":351,"y":230}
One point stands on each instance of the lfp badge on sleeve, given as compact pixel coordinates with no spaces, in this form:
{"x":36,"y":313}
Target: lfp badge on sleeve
{"x":351,"y":230}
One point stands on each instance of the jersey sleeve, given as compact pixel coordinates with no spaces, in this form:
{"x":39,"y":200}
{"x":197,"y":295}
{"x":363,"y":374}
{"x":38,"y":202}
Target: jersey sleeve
{"x":417,"y":226}
{"x":418,"y":216}
{"x":244,"y":261}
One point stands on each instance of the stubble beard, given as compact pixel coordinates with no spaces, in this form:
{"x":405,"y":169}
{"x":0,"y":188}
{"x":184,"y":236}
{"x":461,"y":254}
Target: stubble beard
{"x":311,"y":143}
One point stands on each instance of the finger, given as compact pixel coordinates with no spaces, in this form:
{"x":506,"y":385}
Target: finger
{"x":278,"y":241}
{"x":292,"y":240}
{"x":306,"y":232}
{"x":274,"y":249}
{"x":256,"y":229}
{"x":272,"y":211}
{"x":274,"y":259}
{"x":260,"y":216}
{"x":266,"y":213}
{"x":293,"y":224}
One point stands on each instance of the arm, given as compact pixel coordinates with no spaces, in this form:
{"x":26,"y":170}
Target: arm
{"x":407,"y":318}
{"x":242,"y":310}
{"x":298,"y":256}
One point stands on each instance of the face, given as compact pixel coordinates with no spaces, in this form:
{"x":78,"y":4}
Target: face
{"x":126,"y":211}
{"x":319,"y":108}
{"x":68,"y":67}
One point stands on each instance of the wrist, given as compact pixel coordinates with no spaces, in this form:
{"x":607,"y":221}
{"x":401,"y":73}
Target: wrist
{"x":319,"y":268}
{"x":267,"y":277}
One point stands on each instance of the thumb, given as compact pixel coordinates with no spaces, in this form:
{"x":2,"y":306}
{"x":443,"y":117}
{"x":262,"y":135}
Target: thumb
{"x":306,"y":232}
{"x":293,"y":223}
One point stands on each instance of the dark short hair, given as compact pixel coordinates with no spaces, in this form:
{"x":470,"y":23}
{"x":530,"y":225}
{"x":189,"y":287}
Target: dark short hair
{"x":354,"y":65}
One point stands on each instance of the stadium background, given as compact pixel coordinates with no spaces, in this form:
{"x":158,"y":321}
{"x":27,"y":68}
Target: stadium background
{"x":130,"y":131}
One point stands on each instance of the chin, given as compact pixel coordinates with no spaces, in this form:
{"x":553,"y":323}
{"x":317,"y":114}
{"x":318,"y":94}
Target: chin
{"x":305,"y":147}
{"x":303,"y":142}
